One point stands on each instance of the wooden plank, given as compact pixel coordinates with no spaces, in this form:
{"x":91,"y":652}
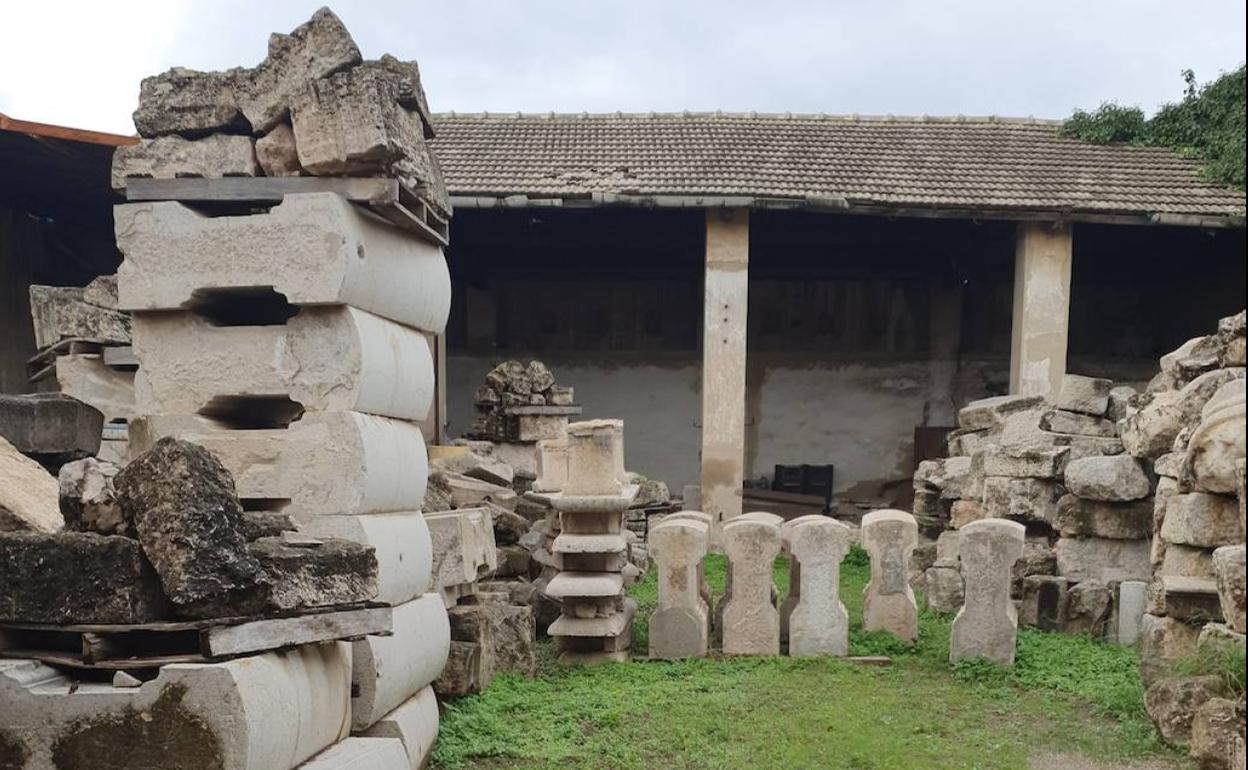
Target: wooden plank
{"x":49,"y":131}
{"x":271,"y":634}
{"x":367,"y":190}
{"x":70,"y":660}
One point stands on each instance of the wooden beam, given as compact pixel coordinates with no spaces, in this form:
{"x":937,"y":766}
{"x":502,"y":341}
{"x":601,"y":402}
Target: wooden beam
{"x":49,"y":131}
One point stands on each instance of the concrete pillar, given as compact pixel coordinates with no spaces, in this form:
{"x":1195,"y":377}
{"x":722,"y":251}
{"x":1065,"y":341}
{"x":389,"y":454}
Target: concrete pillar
{"x":1041,"y":308}
{"x":723,"y":360}
{"x":944,"y":354}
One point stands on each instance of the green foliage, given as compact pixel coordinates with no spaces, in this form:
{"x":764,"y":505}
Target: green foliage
{"x":1208,"y":123}
{"x":1225,"y":660}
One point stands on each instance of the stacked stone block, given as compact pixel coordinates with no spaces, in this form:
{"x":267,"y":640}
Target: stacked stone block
{"x":595,"y":623}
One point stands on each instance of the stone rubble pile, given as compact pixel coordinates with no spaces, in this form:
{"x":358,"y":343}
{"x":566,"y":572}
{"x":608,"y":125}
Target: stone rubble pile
{"x":519,"y":406}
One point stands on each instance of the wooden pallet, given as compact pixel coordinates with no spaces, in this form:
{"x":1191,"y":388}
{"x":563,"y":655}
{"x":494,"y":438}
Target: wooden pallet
{"x":151,"y":645}
{"x":385,"y":197}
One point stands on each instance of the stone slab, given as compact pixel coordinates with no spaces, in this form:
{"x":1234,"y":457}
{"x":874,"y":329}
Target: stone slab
{"x":314,"y":249}
{"x":464,"y":549}
{"x":361,"y":754}
{"x":1095,"y":558}
{"x":169,"y":157}
{"x":324,"y":463}
{"x":1088,"y":395}
{"x":415,"y":723}
{"x":1116,"y":478}
{"x":1202,"y":520}
{"x":401,"y":542}
{"x":387,"y":671}
{"x":50,"y":427}
{"x":29,"y":495}
{"x":88,"y":379}
{"x":1079,"y":517}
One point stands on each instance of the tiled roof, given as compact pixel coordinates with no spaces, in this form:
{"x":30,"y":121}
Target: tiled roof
{"x":939,"y":163}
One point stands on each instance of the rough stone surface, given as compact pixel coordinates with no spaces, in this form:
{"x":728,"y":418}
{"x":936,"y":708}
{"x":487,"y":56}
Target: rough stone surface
{"x":28,"y":494}
{"x":1172,"y":704}
{"x":50,"y":427}
{"x":1032,"y":500}
{"x":1026,"y":462}
{"x":277,"y":153}
{"x":1218,"y":443}
{"x":1087,"y":395}
{"x":76,"y":577}
{"x":1118,"y":478}
{"x":400,"y":541}
{"x":87,"y":499}
{"x":170,"y":157}
{"x":63,"y":312}
{"x":989,"y":413}
{"x":1044,"y":602}
{"x":1079,"y":517}
{"x":1150,"y":432}
{"x":1121,"y":400}
{"x":189,"y":521}
{"x":963,"y":512}
{"x":943,"y":588}
{"x":1216,"y":725}
{"x":1129,"y":611}
{"x":296,"y":575}
{"x":1203,"y":520}
{"x":1037,"y":559}
{"x":313,"y":50}
{"x":987,"y":625}
{"x":1088,"y":609}
{"x":415,"y":723}
{"x":751,"y":622}
{"x":1164,"y":642}
{"x":890,"y":537}
{"x":190,"y":103}
{"x":1096,"y":558}
{"x":1075,"y":423}
{"x":1228,"y":565}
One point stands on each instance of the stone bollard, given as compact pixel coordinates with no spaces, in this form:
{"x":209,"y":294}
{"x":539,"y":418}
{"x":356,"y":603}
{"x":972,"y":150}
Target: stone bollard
{"x":593,"y":458}
{"x":987,"y":624}
{"x":751,"y":622}
{"x":795,"y":572}
{"x":819,"y":624}
{"x":709,"y":522}
{"x":890,"y":538}
{"x":678,"y":627}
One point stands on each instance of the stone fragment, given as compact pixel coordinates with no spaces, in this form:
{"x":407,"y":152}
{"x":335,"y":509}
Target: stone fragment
{"x":1097,"y":558}
{"x":313,"y":249}
{"x":513,"y":561}
{"x":963,"y":512}
{"x":258,"y":524}
{"x":189,"y":103}
{"x":1026,"y":462}
{"x":387,"y":670}
{"x":1172,"y":704}
{"x":361,"y":754}
{"x":947,"y":475}
{"x":77,"y":577}
{"x":1060,"y":421}
{"x":184,"y":510}
{"x":1121,"y":402}
{"x":1080,"y":517}
{"x":277,"y":153}
{"x":49,"y":427}
{"x":679,"y":626}
{"x":1228,"y":564}
{"x":1032,"y":500}
{"x":1169,"y":465}
{"x":297,"y":576}
{"x":324,"y":463}
{"x":415,"y":723}
{"x":1129,"y":611}
{"x":819,"y":623}
{"x":313,"y":50}
{"x":101,"y":291}
{"x":1044,"y":602}
{"x":559,"y":395}
{"x":1118,"y":478}
{"x":942,"y":587}
{"x":540,"y":377}
{"x":87,"y":499}
{"x":889,"y":538}
{"x":1150,"y":432}
{"x":461,"y":676}
{"x":1215,"y":728}
{"x":1203,"y":520}
{"x":751,"y":623}
{"x":595,"y":458}
{"x":262,"y":712}
{"x":1087,"y":395}
{"x":1088,"y":609}
{"x":28,"y":494}
{"x":1037,"y":559}
{"x":62,"y":312}
{"x":464,"y":549}
{"x":989,"y":413}
{"x":88,"y":379}
{"x":987,"y":625}
{"x":325,"y":358}
{"x":483,"y":467}
{"x":170,"y":157}
{"x":1186,"y":561}
{"x":1194,"y":600}
{"x":515,"y":641}
{"x":1218,"y":443}
{"x":1163,"y":643}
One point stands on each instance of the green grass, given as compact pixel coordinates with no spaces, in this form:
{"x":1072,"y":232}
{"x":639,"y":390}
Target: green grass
{"x":1064,"y":694}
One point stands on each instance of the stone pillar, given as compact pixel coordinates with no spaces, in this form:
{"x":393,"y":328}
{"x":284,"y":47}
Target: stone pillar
{"x":723,"y":361}
{"x":987,"y":624}
{"x":751,"y":622}
{"x":678,"y":627}
{"x":1041,"y":308}
{"x":818,"y":623}
{"x":890,"y":538}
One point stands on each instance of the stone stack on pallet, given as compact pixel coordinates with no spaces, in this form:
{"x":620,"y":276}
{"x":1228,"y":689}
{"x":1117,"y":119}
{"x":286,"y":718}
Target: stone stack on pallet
{"x":289,"y":331}
{"x":1190,"y":424}
{"x":590,"y":550}
{"x":517,"y":407}
{"x":1059,"y":469}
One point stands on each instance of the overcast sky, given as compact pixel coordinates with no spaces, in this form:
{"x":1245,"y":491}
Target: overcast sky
{"x":79,"y":63}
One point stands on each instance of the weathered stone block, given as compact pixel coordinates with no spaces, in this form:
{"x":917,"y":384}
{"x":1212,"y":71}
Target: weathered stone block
{"x":324,"y":463}
{"x":464,"y":550}
{"x":987,"y":625}
{"x":326,"y":358}
{"x":28,"y":496}
{"x":387,"y":670}
{"x":87,"y":378}
{"x":77,"y":577}
{"x":989,"y":413}
{"x":1026,"y":462}
{"x":963,"y":512}
{"x":1021,"y":499}
{"x":1129,"y":611}
{"x":277,"y":153}
{"x":314,"y":249}
{"x":1044,"y":602}
{"x":1118,"y":478}
{"x":1218,"y":443}
{"x":1172,"y":704}
{"x":1164,"y":642}
{"x":1075,"y":423}
{"x":1096,"y":558}
{"x":50,"y":427}
{"x":266,"y":712}
{"x":1186,"y":561}
{"x":889,"y":537}
{"x":942,"y":587}
{"x":818,"y":623}
{"x":170,"y":157}
{"x":1078,"y":517}
{"x":751,"y":622}
{"x":1088,"y":609}
{"x":1215,"y":727}
{"x":1150,"y":432}
{"x":1087,"y":395}
{"x":400,"y":542}
{"x":87,"y":498}
{"x":190,"y":103}
{"x":361,"y":754}
{"x":302,"y":573}
{"x":1228,"y":565}
{"x":1203,"y":520}
{"x":62,"y":312}
{"x":461,"y":675}
{"x":1037,"y":559}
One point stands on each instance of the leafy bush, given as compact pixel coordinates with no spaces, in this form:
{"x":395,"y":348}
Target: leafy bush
{"x":1208,"y":124}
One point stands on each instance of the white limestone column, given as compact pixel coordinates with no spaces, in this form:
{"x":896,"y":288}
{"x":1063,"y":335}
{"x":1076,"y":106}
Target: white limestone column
{"x":723,"y":361}
{"x":1041,"y":322}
